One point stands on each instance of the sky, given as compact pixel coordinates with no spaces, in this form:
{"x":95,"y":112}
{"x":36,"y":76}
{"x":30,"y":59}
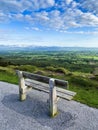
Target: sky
{"x":68,"y":23}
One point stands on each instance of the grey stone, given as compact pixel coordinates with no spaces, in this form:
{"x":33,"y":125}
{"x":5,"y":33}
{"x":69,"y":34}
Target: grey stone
{"x":33,"y":114}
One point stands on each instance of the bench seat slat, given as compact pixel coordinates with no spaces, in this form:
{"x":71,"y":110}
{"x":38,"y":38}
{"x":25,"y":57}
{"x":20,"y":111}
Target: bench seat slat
{"x":45,"y":88}
{"x":36,"y":86}
{"x":66,"y":91}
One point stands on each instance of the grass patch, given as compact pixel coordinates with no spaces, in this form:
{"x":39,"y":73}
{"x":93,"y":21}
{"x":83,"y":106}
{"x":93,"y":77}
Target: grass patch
{"x":89,"y":97}
{"x":7,"y":74}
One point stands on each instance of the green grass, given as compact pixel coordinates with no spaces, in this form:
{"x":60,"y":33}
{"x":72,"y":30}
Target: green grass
{"x":8,"y":77}
{"x":88,"y":97}
{"x":7,"y":74}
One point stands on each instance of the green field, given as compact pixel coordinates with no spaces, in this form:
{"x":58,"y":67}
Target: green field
{"x":80,"y":68}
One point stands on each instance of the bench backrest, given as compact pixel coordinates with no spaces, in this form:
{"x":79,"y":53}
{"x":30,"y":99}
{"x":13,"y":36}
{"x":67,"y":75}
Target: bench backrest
{"x":44,"y":79}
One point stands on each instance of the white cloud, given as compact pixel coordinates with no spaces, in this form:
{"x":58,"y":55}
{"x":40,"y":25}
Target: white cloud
{"x":59,"y":15}
{"x":41,"y":16}
{"x":36,"y":29}
{"x":68,"y":1}
{"x":28,"y":18}
{"x":89,"y":19}
{"x":3,"y":17}
{"x":90,"y":5}
{"x":2,"y":14}
{"x":81,"y":32}
{"x":37,"y":4}
{"x":11,"y":5}
{"x":18,"y":17}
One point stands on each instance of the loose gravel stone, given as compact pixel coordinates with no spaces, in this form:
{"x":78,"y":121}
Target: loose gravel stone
{"x":33,"y":114}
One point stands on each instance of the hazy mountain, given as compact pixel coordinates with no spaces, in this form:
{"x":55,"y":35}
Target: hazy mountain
{"x":43,"y":48}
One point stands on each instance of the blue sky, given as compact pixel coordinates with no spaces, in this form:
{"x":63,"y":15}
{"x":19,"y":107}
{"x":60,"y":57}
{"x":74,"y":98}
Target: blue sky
{"x":49,"y":22}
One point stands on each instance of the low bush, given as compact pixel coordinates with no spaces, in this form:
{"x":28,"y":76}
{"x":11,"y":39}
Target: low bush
{"x":83,"y":82}
{"x":29,"y":68}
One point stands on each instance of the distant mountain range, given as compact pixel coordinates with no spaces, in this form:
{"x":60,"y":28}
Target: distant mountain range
{"x":43,"y":48}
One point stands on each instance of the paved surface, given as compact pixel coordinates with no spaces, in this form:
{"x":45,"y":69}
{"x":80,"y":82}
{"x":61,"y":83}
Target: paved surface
{"x":32,"y":114}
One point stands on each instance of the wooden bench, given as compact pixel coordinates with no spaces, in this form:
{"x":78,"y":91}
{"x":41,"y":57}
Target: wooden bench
{"x":46,"y":84}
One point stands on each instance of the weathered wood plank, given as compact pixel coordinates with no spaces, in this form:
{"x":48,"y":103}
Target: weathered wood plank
{"x":45,"y":79}
{"x":37,"y":87}
{"x":46,"y":86}
{"x":22,"y":87}
{"x":52,"y":98}
{"x":66,"y":91}
{"x":68,"y":95}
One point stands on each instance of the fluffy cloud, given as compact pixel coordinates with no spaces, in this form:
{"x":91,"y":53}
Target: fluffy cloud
{"x":89,"y":19}
{"x":55,"y":14}
{"x":68,"y":1}
{"x":89,"y":5}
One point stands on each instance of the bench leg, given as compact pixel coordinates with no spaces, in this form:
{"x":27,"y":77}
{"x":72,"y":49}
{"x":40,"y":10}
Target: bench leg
{"x":52,"y":99}
{"x":22,"y":94}
{"x":22,"y":97}
{"x":22,"y":87}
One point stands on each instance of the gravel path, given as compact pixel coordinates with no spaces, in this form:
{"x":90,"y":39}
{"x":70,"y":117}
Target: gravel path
{"x":32,"y":114}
